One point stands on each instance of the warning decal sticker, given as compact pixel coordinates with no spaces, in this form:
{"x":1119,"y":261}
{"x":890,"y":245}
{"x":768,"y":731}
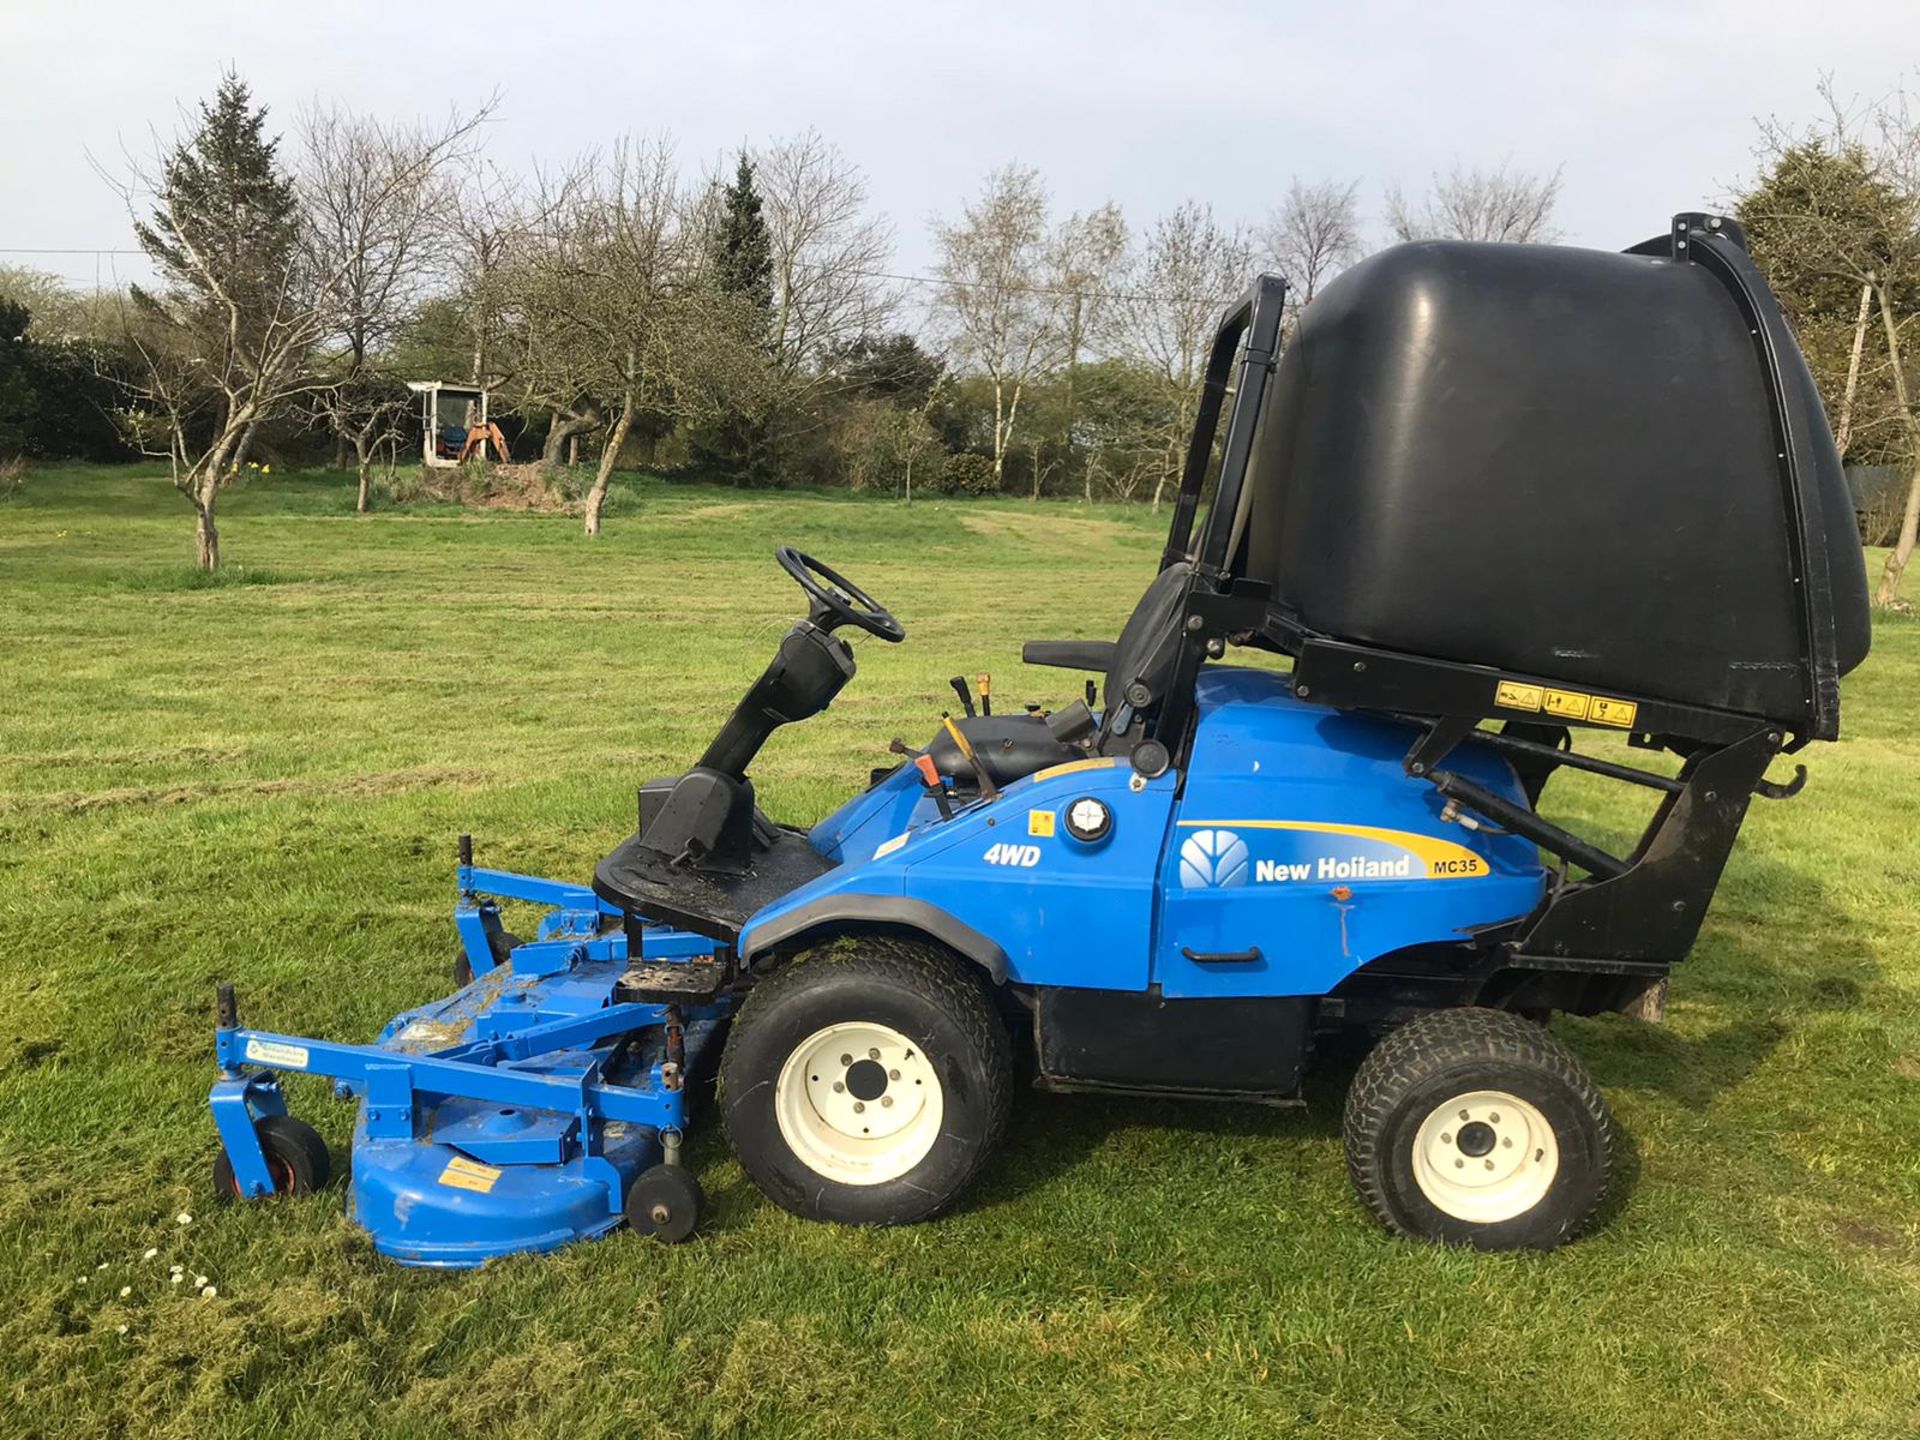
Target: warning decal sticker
{"x":1566,"y":704}
{"x":464,"y":1174}
{"x":1612,"y":712}
{"x":1040,"y":823}
{"x":1515,"y":696}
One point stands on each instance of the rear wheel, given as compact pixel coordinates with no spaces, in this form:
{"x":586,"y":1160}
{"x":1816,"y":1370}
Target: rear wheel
{"x":297,"y":1159}
{"x":1477,"y":1127}
{"x":868,"y":1087}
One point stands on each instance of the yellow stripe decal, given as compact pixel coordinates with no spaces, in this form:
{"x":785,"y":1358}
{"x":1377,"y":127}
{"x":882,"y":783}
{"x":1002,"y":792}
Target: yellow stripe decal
{"x":1074,"y":767}
{"x":1441,"y":857}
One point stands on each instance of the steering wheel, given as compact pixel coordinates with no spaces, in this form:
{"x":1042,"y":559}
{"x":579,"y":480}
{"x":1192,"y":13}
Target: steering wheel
{"x":836,"y":600}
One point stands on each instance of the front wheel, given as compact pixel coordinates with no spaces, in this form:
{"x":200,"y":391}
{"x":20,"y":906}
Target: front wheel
{"x":1478,"y":1127}
{"x":297,"y":1159}
{"x":870,"y":1087}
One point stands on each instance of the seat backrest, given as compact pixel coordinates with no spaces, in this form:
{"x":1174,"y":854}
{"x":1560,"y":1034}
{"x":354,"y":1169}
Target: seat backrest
{"x":1149,"y":643}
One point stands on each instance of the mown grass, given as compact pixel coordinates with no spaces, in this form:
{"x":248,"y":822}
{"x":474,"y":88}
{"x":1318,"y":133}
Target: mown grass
{"x":261,"y":782}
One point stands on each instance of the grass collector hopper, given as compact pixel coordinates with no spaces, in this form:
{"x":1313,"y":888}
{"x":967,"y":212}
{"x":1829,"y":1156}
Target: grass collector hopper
{"x":1490,"y":501}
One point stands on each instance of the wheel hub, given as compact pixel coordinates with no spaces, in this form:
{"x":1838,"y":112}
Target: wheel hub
{"x":858,"y":1103}
{"x":866,"y":1080}
{"x":1485,"y":1156}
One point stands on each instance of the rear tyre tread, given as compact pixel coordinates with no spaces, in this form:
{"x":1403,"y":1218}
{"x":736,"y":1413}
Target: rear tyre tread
{"x":1466,"y":1043}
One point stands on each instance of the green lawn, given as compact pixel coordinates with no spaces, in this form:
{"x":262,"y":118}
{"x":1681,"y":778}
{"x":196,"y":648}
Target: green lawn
{"x":262,"y":783}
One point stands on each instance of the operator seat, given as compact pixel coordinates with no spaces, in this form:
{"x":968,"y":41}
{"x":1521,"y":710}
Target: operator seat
{"x":1012,"y":746}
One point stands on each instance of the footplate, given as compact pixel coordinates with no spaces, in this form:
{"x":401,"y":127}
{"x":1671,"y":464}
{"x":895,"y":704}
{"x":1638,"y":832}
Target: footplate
{"x":668,"y":982}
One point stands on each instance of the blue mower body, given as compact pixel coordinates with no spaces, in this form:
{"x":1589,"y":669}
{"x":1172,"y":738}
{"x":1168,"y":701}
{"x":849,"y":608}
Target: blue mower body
{"x":514,"y":1114}
{"x":1283,"y":805}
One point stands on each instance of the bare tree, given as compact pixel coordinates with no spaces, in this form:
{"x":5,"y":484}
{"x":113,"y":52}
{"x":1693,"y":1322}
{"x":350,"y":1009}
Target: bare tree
{"x":618,"y":289}
{"x":372,"y":196}
{"x":1190,"y":270}
{"x":828,"y":252}
{"x":484,"y":220}
{"x":1502,"y":204}
{"x":1314,"y":235}
{"x":991,"y":302}
{"x":1085,"y":256}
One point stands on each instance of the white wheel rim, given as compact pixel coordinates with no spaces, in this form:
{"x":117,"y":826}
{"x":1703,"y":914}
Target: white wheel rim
{"x":1485,"y":1156}
{"x":858,"y":1103}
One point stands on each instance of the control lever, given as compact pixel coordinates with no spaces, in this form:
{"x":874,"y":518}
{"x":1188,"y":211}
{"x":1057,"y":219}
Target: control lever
{"x":959,"y":684}
{"x":986,"y":694}
{"x":924,"y":764}
{"x":1093,"y":695}
{"x":988,"y":790}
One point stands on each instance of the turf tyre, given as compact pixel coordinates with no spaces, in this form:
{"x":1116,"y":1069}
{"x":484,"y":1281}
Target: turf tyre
{"x":930,"y":998}
{"x":1419,"y":1072}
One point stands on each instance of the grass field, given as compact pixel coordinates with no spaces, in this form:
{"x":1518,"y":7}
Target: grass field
{"x":261,"y":782}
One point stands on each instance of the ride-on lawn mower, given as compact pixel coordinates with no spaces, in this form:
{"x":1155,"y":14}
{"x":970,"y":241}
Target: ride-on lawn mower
{"x":1488,"y":498}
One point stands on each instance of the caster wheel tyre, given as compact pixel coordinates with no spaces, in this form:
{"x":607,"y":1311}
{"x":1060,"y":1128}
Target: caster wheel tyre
{"x":503,"y":947}
{"x":666,"y":1203}
{"x":1476,"y":1127}
{"x":297,"y":1159}
{"x":867,"y":1087}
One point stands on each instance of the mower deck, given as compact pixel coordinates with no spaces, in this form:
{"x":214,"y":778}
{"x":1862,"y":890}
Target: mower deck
{"x":518,"y":1112}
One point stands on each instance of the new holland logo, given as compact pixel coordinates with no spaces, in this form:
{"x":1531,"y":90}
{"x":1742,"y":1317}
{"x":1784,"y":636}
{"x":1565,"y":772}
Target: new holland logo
{"x":1213,"y":859}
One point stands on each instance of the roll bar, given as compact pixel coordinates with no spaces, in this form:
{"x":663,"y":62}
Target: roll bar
{"x":1256,"y":317}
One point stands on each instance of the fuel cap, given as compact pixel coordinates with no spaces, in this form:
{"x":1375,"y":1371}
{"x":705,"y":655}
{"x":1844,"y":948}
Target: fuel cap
{"x":1088,"y":819}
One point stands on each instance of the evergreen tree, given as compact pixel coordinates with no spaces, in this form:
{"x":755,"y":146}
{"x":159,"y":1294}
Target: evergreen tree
{"x":227,"y":226}
{"x":742,"y":248}
{"x":738,"y":445}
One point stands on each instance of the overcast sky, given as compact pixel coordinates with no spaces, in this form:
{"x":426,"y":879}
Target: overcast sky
{"x":1650,"y":107}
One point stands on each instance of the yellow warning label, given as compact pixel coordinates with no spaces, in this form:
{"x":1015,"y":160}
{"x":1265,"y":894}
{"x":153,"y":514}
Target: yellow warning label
{"x":464,"y":1174}
{"x":1515,"y":696}
{"x":1612,"y":712}
{"x":1040,"y":822}
{"x":1567,"y":704}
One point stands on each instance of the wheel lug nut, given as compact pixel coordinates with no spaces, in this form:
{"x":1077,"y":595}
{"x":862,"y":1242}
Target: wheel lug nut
{"x":859,"y":1107}
{"x":846,"y":1059}
{"x":886,"y":1101}
{"x":1508,"y":1142}
{"x":1459,"y":1164}
{"x":838,"y":1087}
{"x":893,"y":1074}
{"x":1465,"y":1116}
{"x":873,"y":1054}
{"x":1446,"y":1137}
{"x":1489,"y":1164}
{"x":1494,"y":1119}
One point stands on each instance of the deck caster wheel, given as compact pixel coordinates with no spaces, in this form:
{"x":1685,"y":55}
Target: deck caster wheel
{"x":868,"y":1087}
{"x":665,"y":1202}
{"x":297,"y":1159}
{"x":502,"y":945}
{"x":1477,"y":1127}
